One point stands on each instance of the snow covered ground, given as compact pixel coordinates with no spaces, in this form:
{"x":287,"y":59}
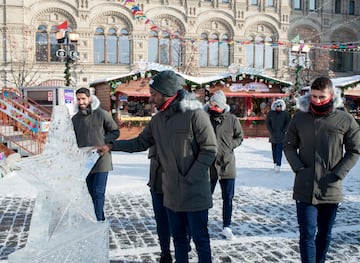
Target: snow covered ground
{"x":264,"y":220}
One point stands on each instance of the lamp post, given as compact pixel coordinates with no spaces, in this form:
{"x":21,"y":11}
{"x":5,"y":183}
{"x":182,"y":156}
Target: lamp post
{"x":300,"y":61}
{"x":233,"y":70}
{"x":68,"y":41}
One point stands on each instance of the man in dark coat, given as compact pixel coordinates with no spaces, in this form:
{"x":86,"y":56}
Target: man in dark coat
{"x":186,"y":145}
{"x":277,"y":122}
{"x":229,"y":135}
{"x":157,"y":197}
{"x":322,"y":145}
{"x":93,"y":127}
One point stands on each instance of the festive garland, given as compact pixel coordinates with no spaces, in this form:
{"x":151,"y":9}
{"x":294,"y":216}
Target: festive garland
{"x":342,"y":47}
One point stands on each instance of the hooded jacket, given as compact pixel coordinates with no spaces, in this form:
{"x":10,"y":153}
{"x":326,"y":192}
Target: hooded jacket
{"x":229,"y":135}
{"x":96,"y":127}
{"x":277,"y":122}
{"x":186,"y":146}
{"x":321,"y":150}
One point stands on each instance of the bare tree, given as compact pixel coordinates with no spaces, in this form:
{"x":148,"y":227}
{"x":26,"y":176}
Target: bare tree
{"x":23,"y":69}
{"x":191,"y":65}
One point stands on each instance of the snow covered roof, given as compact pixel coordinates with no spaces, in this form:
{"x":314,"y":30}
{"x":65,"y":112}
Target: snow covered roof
{"x":346,"y":81}
{"x":150,"y":67}
{"x":195,"y":80}
{"x":342,"y":82}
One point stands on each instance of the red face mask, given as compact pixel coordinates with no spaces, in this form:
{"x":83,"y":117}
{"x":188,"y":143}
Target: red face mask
{"x":216,"y":109}
{"x":323,"y":107}
{"x":323,"y":102}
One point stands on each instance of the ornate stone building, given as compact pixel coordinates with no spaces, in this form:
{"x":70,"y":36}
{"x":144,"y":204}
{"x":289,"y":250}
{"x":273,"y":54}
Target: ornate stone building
{"x":194,"y":37}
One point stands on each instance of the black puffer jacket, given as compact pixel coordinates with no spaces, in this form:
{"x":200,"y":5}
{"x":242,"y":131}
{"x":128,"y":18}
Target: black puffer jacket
{"x":186,"y":145}
{"x":314,"y":149}
{"x":277,"y":122}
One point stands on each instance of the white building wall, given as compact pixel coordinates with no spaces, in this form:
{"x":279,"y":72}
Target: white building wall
{"x":20,"y":19}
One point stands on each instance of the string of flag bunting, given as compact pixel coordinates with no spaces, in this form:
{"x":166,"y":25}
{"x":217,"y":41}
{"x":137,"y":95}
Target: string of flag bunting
{"x":139,"y":14}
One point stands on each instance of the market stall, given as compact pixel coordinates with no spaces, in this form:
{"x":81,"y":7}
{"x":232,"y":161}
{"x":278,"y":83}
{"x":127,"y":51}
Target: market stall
{"x":248,"y":92}
{"x":351,"y":89}
{"x":249,"y":95}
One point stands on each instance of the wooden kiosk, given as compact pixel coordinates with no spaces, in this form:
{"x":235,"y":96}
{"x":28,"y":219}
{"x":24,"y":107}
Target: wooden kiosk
{"x":249,"y":96}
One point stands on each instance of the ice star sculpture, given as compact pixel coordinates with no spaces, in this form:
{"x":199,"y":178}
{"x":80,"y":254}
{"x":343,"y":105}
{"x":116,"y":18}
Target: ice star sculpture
{"x":63,"y":225}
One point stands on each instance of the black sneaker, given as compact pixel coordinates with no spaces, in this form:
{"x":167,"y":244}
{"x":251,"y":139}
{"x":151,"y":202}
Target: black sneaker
{"x":165,"y":258}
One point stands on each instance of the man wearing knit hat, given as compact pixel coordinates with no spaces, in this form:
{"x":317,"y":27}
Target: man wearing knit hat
{"x":186,"y":146}
{"x":166,"y":82}
{"x":229,"y":135}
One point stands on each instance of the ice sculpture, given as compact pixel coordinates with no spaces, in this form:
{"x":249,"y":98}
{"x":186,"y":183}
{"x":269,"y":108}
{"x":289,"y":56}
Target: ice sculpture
{"x":63,"y":225}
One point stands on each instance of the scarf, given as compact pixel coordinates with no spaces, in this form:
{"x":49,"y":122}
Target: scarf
{"x":167,"y":103}
{"x":322,"y":108}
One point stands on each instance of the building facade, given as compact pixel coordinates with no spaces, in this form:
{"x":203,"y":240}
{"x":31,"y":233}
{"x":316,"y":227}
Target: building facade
{"x":195,"y":37}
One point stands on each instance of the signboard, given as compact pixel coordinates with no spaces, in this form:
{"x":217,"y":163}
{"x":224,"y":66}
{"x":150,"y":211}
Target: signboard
{"x":252,"y":86}
{"x":69,"y":96}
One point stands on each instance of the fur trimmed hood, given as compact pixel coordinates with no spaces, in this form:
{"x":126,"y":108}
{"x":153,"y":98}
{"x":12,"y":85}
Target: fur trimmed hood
{"x":95,"y":103}
{"x":278,"y":102}
{"x":188,"y":101}
{"x":303,"y":102}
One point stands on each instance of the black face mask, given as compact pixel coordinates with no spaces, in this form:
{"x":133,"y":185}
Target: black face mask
{"x":215,"y":114}
{"x":322,"y":109}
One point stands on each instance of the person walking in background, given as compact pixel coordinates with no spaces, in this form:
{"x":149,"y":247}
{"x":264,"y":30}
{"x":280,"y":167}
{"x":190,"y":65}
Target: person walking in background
{"x":229,"y":135}
{"x":157,"y":197}
{"x":186,"y":145}
{"x":93,"y":127}
{"x":277,"y":122}
{"x":322,"y":145}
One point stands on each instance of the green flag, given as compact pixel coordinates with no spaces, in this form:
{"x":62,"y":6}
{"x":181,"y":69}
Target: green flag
{"x":296,"y":39}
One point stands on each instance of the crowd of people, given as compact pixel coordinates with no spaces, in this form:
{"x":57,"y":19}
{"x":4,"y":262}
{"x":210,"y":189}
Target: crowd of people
{"x":191,"y":148}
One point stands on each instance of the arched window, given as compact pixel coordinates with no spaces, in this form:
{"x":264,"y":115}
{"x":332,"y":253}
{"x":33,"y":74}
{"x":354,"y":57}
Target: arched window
{"x":46,"y":44}
{"x":99,"y":46}
{"x":224,"y":50}
{"x":344,"y":60}
{"x":259,"y":52}
{"x":214,"y":52}
{"x":176,"y":50}
{"x":153,"y":47}
{"x":166,"y":49}
{"x":124,"y":47}
{"x":312,"y":6}
{"x":213,"y":45}
{"x":337,"y":6}
{"x":297,"y":4}
{"x":203,"y":50}
{"x":111,"y":48}
{"x":269,"y":53}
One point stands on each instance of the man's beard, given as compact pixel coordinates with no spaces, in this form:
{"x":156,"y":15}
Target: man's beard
{"x":85,"y":111}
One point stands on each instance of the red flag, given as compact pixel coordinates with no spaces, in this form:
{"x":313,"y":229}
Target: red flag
{"x":63,"y":25}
